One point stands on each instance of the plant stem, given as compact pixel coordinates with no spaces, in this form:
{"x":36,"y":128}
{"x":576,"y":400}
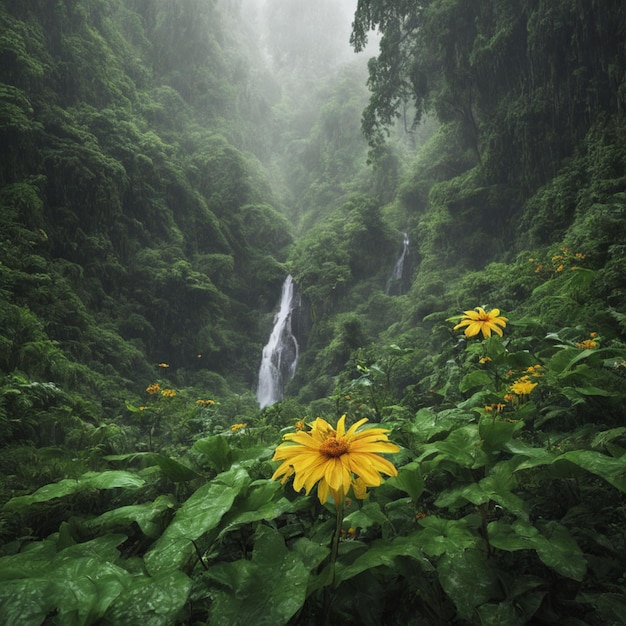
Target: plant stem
{"x":334,"y":548}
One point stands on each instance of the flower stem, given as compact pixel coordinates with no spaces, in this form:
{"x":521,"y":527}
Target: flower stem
{"x":334,"y":548}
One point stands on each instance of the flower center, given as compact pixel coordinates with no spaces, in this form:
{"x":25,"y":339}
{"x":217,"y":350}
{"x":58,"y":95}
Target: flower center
{"x":333,"y":447}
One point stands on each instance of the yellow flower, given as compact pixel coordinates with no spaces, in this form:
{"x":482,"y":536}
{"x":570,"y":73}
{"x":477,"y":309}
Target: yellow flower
{"x":237,"y":427}
{"x":300,"y":425}
{"x":587,"y":344}
{"x":335,"y":460}
{"x":205,"y":402}
{"x":153,"y":389}
{"x":479,"y":320}
{"x":523,"y":386}
{"x":164,"y":365}
{"x":484,"y":359}
{"x":168,"y":393}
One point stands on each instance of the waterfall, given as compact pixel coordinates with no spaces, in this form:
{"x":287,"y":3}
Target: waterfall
{"x":398,"y":270}
{"x":280,"y":355}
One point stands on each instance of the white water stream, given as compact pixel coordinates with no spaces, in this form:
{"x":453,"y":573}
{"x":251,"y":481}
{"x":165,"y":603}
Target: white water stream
{"x":280,"y":355}
{"x":398,"y":270}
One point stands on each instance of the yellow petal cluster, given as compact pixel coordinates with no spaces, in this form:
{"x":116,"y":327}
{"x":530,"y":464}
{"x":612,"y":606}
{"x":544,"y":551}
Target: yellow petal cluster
{"x":523,"y":386}
{"x":335,"y":459}
{"x":479,"y":321}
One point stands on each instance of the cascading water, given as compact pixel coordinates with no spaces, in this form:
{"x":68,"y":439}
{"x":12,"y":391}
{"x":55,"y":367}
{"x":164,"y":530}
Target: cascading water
{"x":280,"y":355}
{"x":398,"y":270}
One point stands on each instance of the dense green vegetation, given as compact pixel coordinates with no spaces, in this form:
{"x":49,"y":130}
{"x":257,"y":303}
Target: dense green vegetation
{"x":159,"y":179}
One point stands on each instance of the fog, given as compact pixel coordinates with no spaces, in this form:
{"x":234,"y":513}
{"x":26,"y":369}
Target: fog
{"x":304,"y":36}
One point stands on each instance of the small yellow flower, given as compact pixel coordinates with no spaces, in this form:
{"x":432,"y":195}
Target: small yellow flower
{"x":153,"y":389}
{"x":168,"y":393}
{"x":335,"y":459}
{"x":479,"y":320}
{"x":164,"y":365}
{"x":237,"y":427}
{"x":489,"y":408}
{"x":523,"y":386}
{"x":560,"y":268}
{"x":484,"y":359}
{"x":205,"y":403}
{"x":300,"y":425}
{"x":587,"y":344}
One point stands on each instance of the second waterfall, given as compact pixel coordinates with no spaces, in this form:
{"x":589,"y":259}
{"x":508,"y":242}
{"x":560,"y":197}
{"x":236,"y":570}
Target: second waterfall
{"x":280,"y":355}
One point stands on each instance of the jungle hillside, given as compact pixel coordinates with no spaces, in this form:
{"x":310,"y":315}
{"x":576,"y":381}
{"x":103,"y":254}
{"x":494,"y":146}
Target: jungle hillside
{"x":442,"y":186}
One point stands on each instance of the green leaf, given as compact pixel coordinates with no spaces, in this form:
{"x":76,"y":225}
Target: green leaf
{"x":381,"y":552}
{"x":496,"y":433}
{"x":78,"y":583}
{"x":468,"y":579}
{"x":611,"y":469}
{"x":441,"y":536}
{"x":428,"y":424}
{"x":498,"y":614}
{"x":201,"y":513}
{"x":554,"y":545}
{"x":216,"y":451}
{"x":366,"y":517}
{"x":111,"y":479}
{"x":261,"y":502}
{"x":409,"y":480}
{"x":150,"y":517}
{"x":476,"y":378}
{"x":462,"y":446}
{"x":174,"y":470}
{"x":265,"y":591}
{"x":535,"y":456}
{"x":154,"y":601}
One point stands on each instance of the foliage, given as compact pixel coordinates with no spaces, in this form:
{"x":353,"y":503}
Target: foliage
{"x":153,"y":176}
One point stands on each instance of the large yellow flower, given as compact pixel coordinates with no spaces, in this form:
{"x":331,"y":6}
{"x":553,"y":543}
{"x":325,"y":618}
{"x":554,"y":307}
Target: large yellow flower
{"x":479,"y":320}
{"x":336,"y":459}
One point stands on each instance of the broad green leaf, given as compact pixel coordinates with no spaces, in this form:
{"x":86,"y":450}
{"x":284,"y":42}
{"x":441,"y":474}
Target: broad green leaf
{"x":554,"y":545}
{"x":409,"y":480}
{"x":217,"y":452}
{"x":440,"y":536}
{"x":265,"y":591}
{"x":499,"y":614}
{"x":27,"y":601}
{"x":427,"y":424}
{"x":476,"y":378}
{"x":560,"y":552}
{"x":262,"y":501}
{"x":174,"y":470}
{"x":78,"y":583}
{"x":462,"y":446}
{"x":151,"y":601}
{"x":366,"y":517}
{"x":111,"y":479}
{"x":380,"y":552}
{"x":565,"y":359}
{"x":201,"y":513}
{"x":150,"y":517}
{"x":459,"y":496}
{"x":496,"y":433}
{"x":611,"y":469}
{"x":468,"y":579}
{"x":535,"y":456}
